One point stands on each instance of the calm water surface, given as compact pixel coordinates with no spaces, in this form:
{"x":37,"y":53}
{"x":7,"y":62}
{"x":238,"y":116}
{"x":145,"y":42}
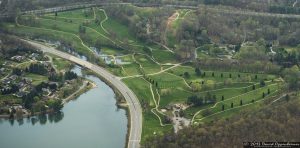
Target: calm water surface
{"x":90,"y":121}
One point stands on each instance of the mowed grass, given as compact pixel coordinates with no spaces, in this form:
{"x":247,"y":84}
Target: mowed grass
{"x":101,"y":16}
{"x":36,"y":79}
{"x":174,"y":96}
{"x":141,"y":88}
{"x":116,"y":71}
{"x":151,"y":124}
{"x":126,"y":58}
{"x":111,"y":51}
{"x":24,"y":64}
{"x":254,"y":95}
{"x":73,"y":28}
{"x":148,"y":65}
{"x":216,"y":75}
{"x":61,"y":64}
{"x":238,"y":109}
{"x":122,"y":31}
{"x":50,"y":34}
{"x":152,"y":127}
{"x":164,"y":56}
{"x":167,"y":80}
{"x":10,"y":98}
{"x":77,"y":14}
{"x":132,"y":69}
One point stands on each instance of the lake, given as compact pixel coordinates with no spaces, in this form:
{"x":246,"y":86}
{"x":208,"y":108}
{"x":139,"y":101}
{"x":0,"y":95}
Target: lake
{"x":91,"y":121}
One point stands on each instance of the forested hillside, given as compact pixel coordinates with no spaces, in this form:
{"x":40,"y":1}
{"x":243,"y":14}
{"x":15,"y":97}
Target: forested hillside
{"x":275,"y":122}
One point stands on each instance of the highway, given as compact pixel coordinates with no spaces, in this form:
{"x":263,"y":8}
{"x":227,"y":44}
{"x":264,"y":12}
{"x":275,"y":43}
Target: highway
{"x":135,"y":110}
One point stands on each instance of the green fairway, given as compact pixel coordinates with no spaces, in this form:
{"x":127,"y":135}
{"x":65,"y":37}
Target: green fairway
{"x":164,"y":56}
{"x":77,"y":14}
{"x":151,"y":126}
{"x":141,"y":89}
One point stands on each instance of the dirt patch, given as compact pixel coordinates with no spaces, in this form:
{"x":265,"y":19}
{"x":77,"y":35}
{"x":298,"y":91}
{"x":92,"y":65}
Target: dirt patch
{"x":172,"y":18}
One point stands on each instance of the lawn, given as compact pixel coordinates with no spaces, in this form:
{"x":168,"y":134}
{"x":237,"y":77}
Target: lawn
{"x":114,"y":26}
{"x":148,"y":65}
{"x":111,"y":51}
{"x":76,"y":14}
{"x":131,"y":69}
{"x":167,"y":80}
{"x":230,"y":112}
{"x":217,"y":75}
{"x":61,"y":64}
{"x":50,"y":34}
{"x":151,"y":124}
{"x":254,"y":95}
{"x":36,"y":79}
{"x":11,"y":99}
{"x":164,"y":56}
{"x":141,"y":88}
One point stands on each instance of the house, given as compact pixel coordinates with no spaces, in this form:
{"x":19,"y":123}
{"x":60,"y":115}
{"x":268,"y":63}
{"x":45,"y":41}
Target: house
{"x":6,"y":81}
{"x":34,"y":56}
{"x":21,"y":84}
{"x":2,"y":70}
{"x":53,"y":83}
{"x":20,"y":94}
{"x":13,"y":77}
{"x":6,"y":87}
{"x":17,"y":58}
{"x":27,"y":80}
{"x":4,"y":64}
{"x":47,"y":91}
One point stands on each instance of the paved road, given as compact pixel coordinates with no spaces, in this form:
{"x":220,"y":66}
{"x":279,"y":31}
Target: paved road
{"x":132,"y":101}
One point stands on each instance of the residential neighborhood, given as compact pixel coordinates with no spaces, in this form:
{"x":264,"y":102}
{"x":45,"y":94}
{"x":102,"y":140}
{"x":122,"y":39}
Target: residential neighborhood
{"x":32,"y":82}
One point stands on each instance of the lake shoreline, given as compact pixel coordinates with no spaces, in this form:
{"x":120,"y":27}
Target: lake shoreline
{"x":121,"y":102}
{"x":88,"y":86}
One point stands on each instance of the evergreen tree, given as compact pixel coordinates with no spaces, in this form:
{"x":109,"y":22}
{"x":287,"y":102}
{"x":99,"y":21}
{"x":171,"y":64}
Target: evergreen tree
{"x":198,"y":71}
{"x":70,"y":75}
{"x":186,"y":75}
{"x":262,"y":83}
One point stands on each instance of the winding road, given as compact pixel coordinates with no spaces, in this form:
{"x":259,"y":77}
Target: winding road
{"x":132,"y":101}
